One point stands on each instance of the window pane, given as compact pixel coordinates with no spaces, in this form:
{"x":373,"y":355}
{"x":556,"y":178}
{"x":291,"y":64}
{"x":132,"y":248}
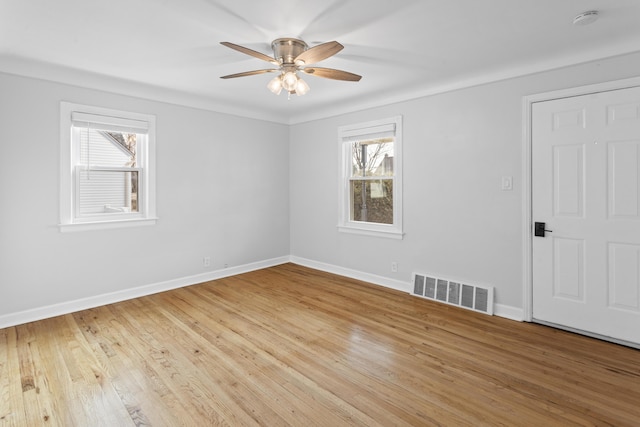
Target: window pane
{"x":372,"y":201}
{"x":108,"y":191}
{"x":372,"y":158}
{"x":106,"y":148}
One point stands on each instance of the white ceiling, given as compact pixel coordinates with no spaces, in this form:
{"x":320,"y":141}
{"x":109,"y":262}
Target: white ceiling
{"x":169,"y":49}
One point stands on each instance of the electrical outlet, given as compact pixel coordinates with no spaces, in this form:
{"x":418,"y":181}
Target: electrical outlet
{"x":206,"y":261}
{"x":507,"y":183}
{"x":394,"y":267}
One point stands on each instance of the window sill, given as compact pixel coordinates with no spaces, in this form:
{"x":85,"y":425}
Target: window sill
{"x":105,"y":225}
{"x":389,"y":234}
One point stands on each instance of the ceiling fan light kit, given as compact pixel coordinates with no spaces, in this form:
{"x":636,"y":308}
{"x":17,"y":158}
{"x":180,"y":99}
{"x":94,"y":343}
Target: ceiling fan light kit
{"x":290,"y":56}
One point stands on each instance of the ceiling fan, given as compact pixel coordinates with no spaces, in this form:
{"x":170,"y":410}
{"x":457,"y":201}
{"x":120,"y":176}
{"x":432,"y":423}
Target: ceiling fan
{"x":290,"y":56}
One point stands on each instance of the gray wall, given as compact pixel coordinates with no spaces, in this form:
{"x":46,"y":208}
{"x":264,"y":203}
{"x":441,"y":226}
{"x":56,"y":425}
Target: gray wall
{"x":457,"y":146}
{"x":242,"y":190}
{"x":222,"y":192}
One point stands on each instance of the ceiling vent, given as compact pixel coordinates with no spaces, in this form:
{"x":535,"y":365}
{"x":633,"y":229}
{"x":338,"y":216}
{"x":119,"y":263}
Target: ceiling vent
{"x":471,"y":297}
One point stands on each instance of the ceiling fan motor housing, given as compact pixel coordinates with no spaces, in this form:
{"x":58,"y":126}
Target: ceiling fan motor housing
{"x":286,"y":50}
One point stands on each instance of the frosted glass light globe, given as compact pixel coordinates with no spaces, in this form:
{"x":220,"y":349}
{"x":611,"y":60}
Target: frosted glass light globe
{"x":289,"y":81}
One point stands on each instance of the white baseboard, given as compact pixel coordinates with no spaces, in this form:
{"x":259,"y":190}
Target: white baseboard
{"x":18,"y":318}
{"x":501,"y":310}
{"x":13,"y":319}
{"x":354,"y":274}
{"x":508,"y":312}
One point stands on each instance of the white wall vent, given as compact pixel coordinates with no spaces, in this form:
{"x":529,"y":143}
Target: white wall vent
{"x":472,"y":297}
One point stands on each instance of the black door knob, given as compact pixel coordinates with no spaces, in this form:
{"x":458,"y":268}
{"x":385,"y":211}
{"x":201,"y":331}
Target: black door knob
{"x":539,"y":229}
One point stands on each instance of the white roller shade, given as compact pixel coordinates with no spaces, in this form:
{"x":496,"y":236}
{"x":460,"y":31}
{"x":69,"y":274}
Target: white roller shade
{"x":108,"y":123}
{"x":370,"y":132}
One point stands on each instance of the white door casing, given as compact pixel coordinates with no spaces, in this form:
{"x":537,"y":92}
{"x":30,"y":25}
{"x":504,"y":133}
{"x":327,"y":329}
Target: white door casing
{"x":585,"y":163}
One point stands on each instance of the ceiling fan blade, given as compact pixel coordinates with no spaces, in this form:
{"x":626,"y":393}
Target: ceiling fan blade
{"x":320,"y":52}
{"x":250,"y":52}
{"x":249,"y":73}
{"x":330,"y":73}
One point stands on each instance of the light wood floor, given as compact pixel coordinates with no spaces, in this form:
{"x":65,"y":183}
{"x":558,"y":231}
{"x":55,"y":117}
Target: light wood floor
{"x":293,"y":346}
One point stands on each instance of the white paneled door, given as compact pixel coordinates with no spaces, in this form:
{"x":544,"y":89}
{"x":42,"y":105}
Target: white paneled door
{"x":586,"y":192}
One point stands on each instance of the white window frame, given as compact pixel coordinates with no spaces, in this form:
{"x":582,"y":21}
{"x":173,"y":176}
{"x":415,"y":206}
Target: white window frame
{"x":363,"y":131}
{"x":70,"y":220}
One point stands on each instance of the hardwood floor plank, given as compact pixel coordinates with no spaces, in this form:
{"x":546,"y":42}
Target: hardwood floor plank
{"x":368,"y":362}
{"x":573,"y":379}
{"x":313,"y":363}
{"x":163,"y":362}
{"x":66,"y":409}
{"x":235,"y":346}
{"x":36,"y":391}
{"x":293,"y":346}
{"x":12,"y":411}
{"x":234,"y":399}
{"x":267,"y":396}
{"x":113,"y":351}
